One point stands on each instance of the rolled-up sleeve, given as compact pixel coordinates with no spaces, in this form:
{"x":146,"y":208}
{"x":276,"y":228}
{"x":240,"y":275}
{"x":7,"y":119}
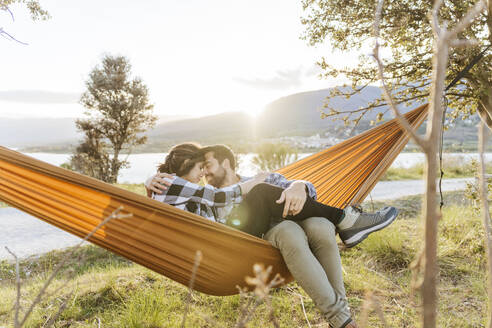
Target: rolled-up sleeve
{"x":279,"y":180}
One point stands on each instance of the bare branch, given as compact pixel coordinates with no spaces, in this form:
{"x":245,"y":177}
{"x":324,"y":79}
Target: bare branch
{"x":59,"y":312}
{"x":262,"y":291}
{"x":18,"y":287}
{"x":371,"y":302}
{"x":114,"y":215}
{"x":463,"y":43}
{"x":301,"y":298}
{"x":435,"y":20}
{"x":466,"y":21}
{"x":198,"y":259}
{"x":10,"y":37}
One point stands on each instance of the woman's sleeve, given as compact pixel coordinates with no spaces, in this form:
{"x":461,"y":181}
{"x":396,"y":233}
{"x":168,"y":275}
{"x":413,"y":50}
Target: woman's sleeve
{"x":182,"y":191}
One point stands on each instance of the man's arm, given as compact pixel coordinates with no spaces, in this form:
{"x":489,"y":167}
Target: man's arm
{"x":279,"y":180}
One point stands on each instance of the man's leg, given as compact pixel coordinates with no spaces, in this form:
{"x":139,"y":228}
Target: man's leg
{"x":322,"y":242}
{"x":291,"y":240}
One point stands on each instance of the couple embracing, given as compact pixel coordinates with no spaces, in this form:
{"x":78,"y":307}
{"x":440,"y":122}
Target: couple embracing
{"x":269,"y":206}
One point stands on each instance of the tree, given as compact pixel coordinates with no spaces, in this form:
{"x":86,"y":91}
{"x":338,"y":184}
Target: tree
{"x":271,"y":157}
{"x":405,"y":32}
{"x":91,"y":156}
{"x":118,"y":113}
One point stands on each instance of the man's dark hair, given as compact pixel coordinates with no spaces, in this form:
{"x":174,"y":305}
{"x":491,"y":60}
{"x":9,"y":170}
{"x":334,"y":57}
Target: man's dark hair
{"x":221,"y":152}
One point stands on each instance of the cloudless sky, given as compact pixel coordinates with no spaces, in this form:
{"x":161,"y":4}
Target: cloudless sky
{"x":197,"y":57}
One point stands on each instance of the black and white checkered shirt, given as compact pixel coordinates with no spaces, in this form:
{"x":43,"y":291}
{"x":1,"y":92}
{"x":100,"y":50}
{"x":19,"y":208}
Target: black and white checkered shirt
{"x":214,"y":203}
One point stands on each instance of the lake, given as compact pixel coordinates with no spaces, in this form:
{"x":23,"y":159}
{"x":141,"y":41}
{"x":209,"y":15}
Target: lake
{"x":144,"y":165}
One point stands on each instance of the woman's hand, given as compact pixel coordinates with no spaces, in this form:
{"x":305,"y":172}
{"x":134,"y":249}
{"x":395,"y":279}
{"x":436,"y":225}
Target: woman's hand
{"x":158,"y":183}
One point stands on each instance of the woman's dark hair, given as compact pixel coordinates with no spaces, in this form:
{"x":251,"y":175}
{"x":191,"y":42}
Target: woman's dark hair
{"x":182,"y":158}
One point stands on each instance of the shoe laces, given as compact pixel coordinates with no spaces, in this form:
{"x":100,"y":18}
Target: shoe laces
{"x":357,"y":208}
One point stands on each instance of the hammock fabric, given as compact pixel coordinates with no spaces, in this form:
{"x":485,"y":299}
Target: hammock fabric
{"x":165,"y":239}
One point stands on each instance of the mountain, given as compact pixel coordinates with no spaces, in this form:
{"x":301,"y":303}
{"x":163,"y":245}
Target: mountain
{"x":301,"y":113}
{"x":297,"y":114}
{"x":294,"y":115}
{"x":55,"y":132}
{"x":37,"y":132}
{"x":229,"y":125}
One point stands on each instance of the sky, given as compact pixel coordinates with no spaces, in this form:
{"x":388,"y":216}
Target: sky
{"x":197,"y":58}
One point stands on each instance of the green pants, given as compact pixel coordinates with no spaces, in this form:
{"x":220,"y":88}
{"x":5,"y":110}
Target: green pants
{"x":310,"y":250}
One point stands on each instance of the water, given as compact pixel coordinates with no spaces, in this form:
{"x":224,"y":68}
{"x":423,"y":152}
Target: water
{"x":26,"y":235}
{"x":144,"y":165}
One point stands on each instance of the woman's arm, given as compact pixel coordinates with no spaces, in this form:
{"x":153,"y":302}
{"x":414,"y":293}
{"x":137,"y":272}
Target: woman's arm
{"x":182,"y":191}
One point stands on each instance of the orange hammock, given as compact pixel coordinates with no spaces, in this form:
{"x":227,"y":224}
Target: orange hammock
{"x":165,"y":239}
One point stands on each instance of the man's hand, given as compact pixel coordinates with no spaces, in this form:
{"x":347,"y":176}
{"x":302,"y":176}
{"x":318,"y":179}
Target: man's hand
{"x":294,"y":198}
{"x":158,"y":183}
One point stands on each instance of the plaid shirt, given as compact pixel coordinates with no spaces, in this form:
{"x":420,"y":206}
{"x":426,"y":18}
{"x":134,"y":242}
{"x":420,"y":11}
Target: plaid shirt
{"x":201,"y":200}
{"x":215,"y":203}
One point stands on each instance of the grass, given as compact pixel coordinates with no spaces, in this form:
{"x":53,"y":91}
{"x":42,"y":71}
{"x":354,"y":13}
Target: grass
{"x":453,"y":167}
{"x":122,"y":294}
{"x":138,"y":188}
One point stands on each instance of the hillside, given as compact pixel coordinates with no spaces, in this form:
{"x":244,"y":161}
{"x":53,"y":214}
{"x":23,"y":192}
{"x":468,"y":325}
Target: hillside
{"x":293,"y":115}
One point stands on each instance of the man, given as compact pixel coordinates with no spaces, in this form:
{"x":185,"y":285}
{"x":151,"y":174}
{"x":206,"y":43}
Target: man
{"x":308,"y":247}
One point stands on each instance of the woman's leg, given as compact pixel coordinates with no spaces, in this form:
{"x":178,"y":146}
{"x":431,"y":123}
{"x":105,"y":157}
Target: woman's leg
{"x":259,"y":206}
{"x":268,"y":195}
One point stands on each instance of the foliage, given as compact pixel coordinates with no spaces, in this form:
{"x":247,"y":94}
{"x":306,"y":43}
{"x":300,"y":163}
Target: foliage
{"x":37,"y":13}
{"x":453,"y":167}
{"x":407,"y":35}
{"x":472,"y":190}
{"x":271,"y":157}
{"x":118,"y":113}
{"x":91,"y":157}
{"x":34,"y":7}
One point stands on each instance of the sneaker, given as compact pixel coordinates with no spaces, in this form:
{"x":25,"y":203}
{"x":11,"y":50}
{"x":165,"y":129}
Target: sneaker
{"x":357,"y":225}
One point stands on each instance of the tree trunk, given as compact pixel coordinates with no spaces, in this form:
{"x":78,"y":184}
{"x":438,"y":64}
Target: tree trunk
{"x":115,"y":167}
{"x":485,"y":108}
{"x":482,"y":138}
{"x":429,"y":287}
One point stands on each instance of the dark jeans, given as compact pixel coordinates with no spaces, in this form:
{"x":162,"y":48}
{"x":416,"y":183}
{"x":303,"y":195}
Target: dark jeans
{"x":254,"y":215}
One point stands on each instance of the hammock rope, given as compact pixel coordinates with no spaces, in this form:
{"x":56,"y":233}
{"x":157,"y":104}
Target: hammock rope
{"x":165,"y":239}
